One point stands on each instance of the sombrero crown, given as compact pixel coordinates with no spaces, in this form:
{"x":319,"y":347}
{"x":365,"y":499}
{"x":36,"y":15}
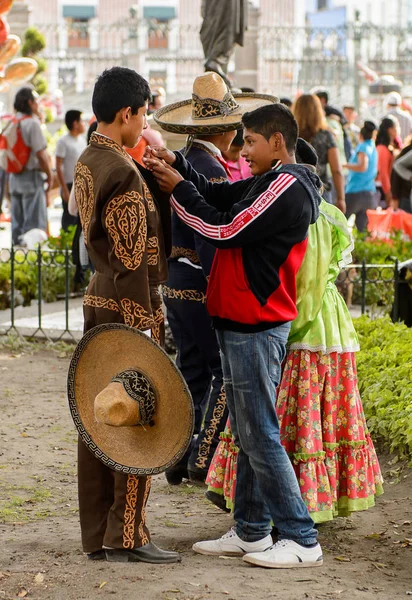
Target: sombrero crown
{"x":129,"y":401}
{"x":212,"y":109}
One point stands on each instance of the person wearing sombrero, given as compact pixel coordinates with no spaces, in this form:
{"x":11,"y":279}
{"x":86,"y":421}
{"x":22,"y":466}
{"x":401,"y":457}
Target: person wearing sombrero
{"x":121,"y":221}
{"x":260,"y":229}
{"x":210,"y":132}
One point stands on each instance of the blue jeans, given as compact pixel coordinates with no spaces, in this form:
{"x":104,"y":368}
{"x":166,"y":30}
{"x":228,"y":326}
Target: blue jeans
{"x":28,"y":203}
{"x":266,"y":486}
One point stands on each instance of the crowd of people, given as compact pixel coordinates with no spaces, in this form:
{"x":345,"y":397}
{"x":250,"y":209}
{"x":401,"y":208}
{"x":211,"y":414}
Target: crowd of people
{"x":358,"y":162}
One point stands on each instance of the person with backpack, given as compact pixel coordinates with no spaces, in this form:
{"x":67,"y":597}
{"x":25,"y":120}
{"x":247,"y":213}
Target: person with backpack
{"x":27,"y":184}
{"x":68,"y":149}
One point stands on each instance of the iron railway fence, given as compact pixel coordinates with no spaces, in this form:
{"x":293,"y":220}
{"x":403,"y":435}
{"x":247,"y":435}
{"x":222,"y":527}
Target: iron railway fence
{"x":37,"y":299}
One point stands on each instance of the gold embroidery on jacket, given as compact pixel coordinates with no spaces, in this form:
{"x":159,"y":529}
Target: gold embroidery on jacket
{"x":217,"y":179}
{"x":179,"y":252}
{"x":100,"y":302}
{"x":135,"y":315}
{"x":109,"y":143}
{"x":126,"y":224}
{"x":183,"y":294}
{"x":84,"y":193}
{"x":152,"y":251}
{"x":206,"y":444}
{"x":149,"y":197}
{"x":142,"y":533}
{"x":130,"y":511}
{"x":158,"y":320}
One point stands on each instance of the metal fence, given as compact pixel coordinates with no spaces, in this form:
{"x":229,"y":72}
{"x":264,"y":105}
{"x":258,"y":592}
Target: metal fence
{"x":37,"y":298}
{"x":280,"y":59}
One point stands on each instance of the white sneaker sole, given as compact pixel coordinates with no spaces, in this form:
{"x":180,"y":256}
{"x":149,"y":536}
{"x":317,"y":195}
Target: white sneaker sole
{"x":237,"y":553}
{"x":268,"y":565}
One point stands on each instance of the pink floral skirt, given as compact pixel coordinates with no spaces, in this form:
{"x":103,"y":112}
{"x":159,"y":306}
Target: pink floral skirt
{"x":323,"y":429}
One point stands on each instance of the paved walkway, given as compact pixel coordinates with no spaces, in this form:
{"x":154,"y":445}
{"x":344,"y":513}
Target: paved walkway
{"x":53,"y":318}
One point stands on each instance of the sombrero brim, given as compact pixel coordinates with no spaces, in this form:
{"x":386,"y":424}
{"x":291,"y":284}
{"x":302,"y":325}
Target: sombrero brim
{"x":105,"y":351}
{"x":177,"y":117}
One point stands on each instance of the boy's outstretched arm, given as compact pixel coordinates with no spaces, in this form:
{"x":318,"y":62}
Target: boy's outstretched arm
{"x":221,"y":195}
{"x":271,"y":207}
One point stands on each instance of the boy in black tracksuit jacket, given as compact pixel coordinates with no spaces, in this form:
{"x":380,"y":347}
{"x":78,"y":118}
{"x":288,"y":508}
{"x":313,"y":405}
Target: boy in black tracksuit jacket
{"x":259,"y":227}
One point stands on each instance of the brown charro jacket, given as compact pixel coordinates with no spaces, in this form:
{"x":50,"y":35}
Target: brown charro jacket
{"x":123,"y":235}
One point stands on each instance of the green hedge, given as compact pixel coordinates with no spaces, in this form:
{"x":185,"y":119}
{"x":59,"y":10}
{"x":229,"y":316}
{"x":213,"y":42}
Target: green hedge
{"x":379,"y":252}
{"x":26,"y":273}
{"x":385,"y":381}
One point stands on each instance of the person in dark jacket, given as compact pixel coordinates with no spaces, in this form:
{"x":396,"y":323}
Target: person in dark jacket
{"x":259,"y":227}
{"x":190,"y":263}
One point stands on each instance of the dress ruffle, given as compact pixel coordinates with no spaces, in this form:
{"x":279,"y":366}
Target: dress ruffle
{"x":324,"y":431}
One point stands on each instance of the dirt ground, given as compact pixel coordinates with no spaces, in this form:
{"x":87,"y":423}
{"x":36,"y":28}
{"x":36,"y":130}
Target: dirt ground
{"x":366,"y":557}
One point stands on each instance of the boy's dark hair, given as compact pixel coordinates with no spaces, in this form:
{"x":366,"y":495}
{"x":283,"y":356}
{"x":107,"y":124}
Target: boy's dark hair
{"x":92,"y":129}
{"x":323,"y":95}
{"x":306,"y":153}
{"x":118,"y":88}
{"x":21,"y":101}
{"x":271,"y":119}
{"x":238,"y":141}
{"x":71,"y":117}
{"x":286,"y":101}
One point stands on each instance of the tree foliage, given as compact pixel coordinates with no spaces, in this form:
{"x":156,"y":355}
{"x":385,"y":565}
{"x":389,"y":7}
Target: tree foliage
{"x":35,"y":42}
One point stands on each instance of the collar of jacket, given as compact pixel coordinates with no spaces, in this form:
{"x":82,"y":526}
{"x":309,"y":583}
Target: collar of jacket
{"x":103,"y":140}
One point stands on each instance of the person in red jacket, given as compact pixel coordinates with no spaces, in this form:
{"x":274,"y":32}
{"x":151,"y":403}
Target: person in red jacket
{"x":384,"y":145}
{"x":259,"y":227}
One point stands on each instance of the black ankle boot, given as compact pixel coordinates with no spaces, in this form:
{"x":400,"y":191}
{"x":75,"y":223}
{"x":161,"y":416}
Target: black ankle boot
{"x":176,"y":474}
{"x":218,"y":500}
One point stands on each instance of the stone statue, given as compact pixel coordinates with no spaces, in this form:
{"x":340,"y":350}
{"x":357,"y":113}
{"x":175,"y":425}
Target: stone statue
{"x":224,"y":24}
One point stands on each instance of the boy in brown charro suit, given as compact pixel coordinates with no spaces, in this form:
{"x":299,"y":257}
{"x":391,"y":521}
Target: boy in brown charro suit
{"x":124,"y":238}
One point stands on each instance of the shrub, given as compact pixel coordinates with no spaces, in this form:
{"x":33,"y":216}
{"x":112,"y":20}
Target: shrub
{"x":378,"y":252}
{"x":26,"y":272}
{"x":385,"y":381}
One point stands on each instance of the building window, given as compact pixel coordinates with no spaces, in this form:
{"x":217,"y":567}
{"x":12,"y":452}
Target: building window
{"x":158,"y":34}
{"x":78,"y":33}
{"x":159,"y":18}
{"x":77,"y":18}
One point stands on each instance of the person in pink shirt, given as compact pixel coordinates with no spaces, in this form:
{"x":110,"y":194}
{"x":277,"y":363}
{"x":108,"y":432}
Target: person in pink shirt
{"x":238,"y":167}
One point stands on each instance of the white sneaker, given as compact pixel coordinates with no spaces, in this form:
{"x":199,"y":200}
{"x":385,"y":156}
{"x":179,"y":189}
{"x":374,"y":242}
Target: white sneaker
{"x":230,"y":544}
{"x":287,"y":554}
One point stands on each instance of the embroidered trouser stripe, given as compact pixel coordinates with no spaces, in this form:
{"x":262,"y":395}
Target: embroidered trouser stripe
{"x":208,"y":439}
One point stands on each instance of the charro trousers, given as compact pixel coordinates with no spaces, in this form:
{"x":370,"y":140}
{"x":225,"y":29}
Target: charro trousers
{"x":112,"y":505}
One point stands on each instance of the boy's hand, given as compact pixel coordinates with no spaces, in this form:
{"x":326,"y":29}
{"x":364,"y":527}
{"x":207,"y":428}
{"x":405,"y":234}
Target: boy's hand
{"x":159,"y":152}
{"x":166,"y":176}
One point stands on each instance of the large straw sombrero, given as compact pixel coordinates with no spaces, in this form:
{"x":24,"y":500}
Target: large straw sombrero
{"x":212,"y":109}
{"x":129,"y":401}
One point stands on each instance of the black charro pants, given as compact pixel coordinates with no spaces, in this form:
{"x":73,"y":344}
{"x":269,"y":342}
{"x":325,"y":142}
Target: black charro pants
{"x":198,"y":357}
